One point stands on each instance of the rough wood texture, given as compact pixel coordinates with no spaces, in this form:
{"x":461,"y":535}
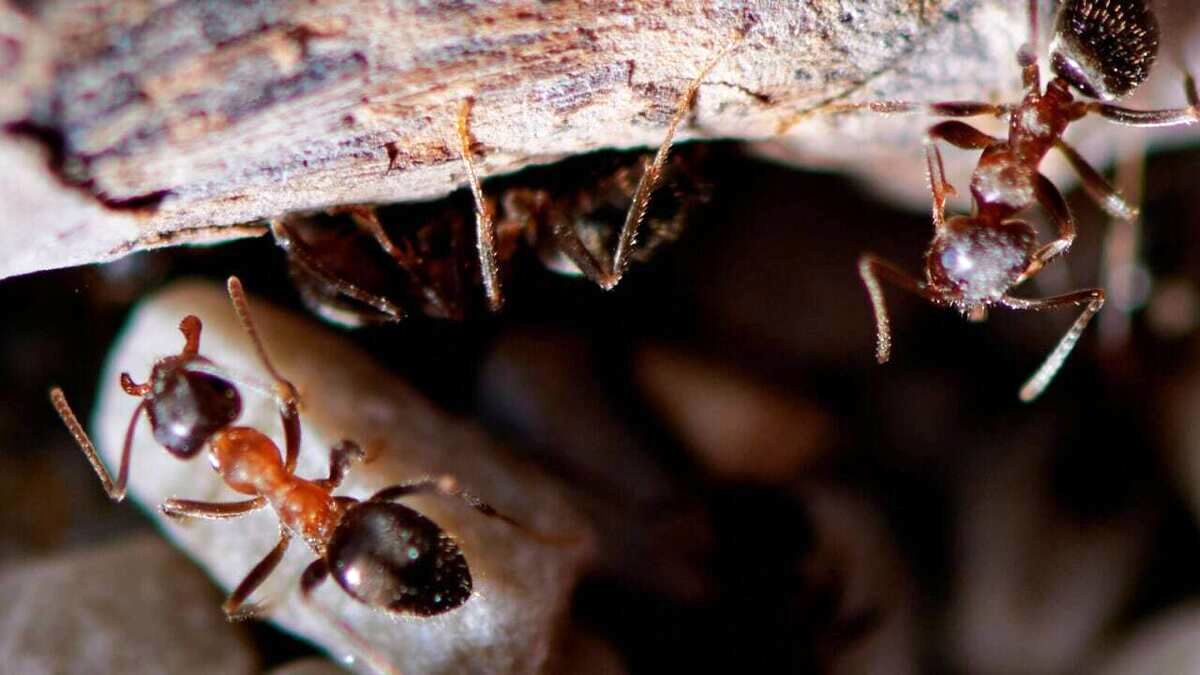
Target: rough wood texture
{"x":142,"y":123}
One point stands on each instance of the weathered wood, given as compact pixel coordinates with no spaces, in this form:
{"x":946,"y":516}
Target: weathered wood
{"x":147,"y":123}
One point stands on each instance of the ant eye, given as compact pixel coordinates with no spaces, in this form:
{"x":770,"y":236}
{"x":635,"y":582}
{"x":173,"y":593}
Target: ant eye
{"x":1106,"y":48}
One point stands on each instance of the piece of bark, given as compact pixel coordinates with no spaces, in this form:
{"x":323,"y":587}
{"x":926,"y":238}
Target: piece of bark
{"x":152,"y":123}
{"x":517,"y":616}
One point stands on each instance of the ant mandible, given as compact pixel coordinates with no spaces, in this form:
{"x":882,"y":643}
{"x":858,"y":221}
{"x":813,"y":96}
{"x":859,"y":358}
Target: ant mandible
{"x":381,"y":553}
{"x":1104,"y":49}
{"x":550,"y":223}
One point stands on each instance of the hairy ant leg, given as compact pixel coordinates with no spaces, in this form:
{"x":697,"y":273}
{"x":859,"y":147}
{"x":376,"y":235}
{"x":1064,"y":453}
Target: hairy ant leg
{"x":300,"y":255}
{"x":1096,"y":186}
{"x":1048,"y":196}
{"x":485,"y":226}
{"x":408,"y":260}
{"x":235,"y":606}
{"x":1093,"y":298}
{"x":871,"y":269}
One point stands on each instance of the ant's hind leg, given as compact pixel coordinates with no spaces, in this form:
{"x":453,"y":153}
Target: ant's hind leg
{"x":1151,"y":118}
{"x":1093,"y":299}
{"x":447,"y":486}
{"x":1052,"y":200}
{"x":234,"y":606}
{"x":314,"y":575}
{"x":653,"y":174}
{"x":871,"y":269}
{"x":285,"y":392}
{"x":1094,"y":184}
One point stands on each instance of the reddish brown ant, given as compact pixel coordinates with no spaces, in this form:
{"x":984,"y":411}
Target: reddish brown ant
{"x":381,"y":553}
{"x":1104,"y":50}
{"x":558,"y":224}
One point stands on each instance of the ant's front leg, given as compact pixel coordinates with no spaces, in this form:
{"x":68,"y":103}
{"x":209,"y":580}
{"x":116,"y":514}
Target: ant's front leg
{"x":872,"y":269}
{"x":960,"y":135}
{"x":1092,"y":298}
{"x":180,"y":509}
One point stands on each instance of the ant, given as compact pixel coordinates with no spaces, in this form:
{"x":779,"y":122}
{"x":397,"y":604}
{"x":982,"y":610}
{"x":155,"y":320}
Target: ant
{"x":560,"y":226}
{"x":1104,"y":50}
{"x":381,"y":553}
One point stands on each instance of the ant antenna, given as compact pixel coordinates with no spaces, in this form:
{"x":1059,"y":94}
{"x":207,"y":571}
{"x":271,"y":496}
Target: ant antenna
{"x":653,"y":172}
{"x":485,"y":230}
{"x":115,"y":490}
{"x":237,"y":295}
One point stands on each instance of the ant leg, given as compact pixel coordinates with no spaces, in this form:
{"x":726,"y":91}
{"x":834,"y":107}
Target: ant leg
{"x":652,"y":175}
{"x":285,"y":392}
{"x":447,"y":486}
{"x":316,"y":574}
{"x":298,"y":254}
{"x":960,"y":135}
{"x":339,"y":463}
{"x":179,"y":509}
{"x":1095,"y":185}
{"x":1093,"y":298}
{"x":871,"y":268}
{"x":405,"y":257}
{"x":485,"y":226}
{"x":235,"y":609}
{"x":1124,"y":276}
{"x":889,"y":107}
{"x":1052,"y":200}
{"x":114,"y":489}
{"x":1149,"y":118}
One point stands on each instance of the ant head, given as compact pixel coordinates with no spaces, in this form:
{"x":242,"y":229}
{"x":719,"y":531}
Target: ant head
{"x":186,"y":407}
{"x":973,"y":262}
{"x":386,"y":555}
{"x":1104,"y":49}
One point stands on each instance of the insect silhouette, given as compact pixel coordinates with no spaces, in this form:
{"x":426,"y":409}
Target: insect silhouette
{"x":438,"y":271}
{"x":1102,"y":48}
{"x":381,"y":553}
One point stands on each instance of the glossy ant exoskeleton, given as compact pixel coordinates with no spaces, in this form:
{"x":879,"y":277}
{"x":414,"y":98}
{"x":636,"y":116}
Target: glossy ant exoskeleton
{"x":436,"y":269}
{"x":1104,"y":50}
{"x":381,"y":553}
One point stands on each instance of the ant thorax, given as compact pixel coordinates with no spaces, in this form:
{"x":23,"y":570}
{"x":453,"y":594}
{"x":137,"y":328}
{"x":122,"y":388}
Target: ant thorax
{"x":973,"y":262}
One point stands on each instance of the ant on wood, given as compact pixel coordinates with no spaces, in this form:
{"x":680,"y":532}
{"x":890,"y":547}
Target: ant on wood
{"x":381,"y":553}
{"x":1102,"y":48}
{"x":560,"y":226}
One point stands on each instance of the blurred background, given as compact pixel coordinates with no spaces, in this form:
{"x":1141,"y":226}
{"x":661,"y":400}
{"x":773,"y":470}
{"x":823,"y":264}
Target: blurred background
{"x":760,"y":485}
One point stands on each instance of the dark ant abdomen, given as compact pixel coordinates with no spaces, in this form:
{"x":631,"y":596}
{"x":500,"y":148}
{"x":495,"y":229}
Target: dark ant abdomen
{"x":388,"y":555}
